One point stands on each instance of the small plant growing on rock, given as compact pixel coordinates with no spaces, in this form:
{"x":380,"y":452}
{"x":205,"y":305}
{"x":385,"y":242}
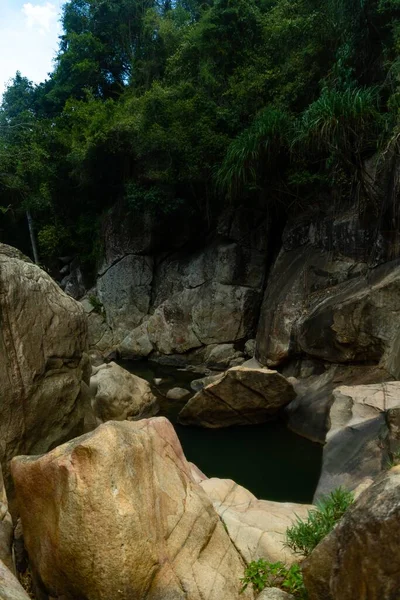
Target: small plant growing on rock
{"x":394,"y":460}
{"x":262,"y":574}
{"x":304,"y":536}
{"x":97,"y":305}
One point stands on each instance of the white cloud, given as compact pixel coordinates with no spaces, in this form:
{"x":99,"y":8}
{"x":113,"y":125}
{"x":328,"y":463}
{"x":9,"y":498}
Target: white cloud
{"x":44,"y":16}
{"x":28,"y":38}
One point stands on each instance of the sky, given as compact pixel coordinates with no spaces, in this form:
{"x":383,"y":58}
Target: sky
{"x":28,"y":38}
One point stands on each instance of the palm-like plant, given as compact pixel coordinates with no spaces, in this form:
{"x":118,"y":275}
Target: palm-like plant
{"x":253,"y":149}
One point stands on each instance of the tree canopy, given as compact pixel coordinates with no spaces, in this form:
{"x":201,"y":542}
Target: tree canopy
{"x":167,"y":103}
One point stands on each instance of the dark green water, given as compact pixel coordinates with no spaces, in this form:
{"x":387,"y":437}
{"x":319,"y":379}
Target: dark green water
{"x":269,"y":460}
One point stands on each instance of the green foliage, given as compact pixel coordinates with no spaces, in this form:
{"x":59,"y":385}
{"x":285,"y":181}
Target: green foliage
{"x":51,"y":238}
{"x":260,"y":143}
{"x":304,"y":536}
{"x":394,"y":460}
{"x":261,"y":574}
{"x":97,"y":305}
{"x":160,"y":105}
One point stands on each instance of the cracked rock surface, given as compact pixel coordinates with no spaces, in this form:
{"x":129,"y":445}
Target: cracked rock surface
{"x":242,"y":396}
{"x":43,"y":366}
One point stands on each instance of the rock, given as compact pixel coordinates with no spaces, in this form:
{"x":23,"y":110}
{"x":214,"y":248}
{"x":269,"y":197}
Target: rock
{"x":6,"y":529}
{"x":124,"y":289}
{"x":250,"y":348}
{"x":274,"y":594}
{"x":44,"y":370}
{"x":356,"y":404}
{"x":317,"y":569}
{"x":256,"y":527}
{"x":100,"y":334}
{"x":73,"y":283}
{"x":299,"y":279}
{"x":355,"y":323}
{"x":222,"y":356}
{"x":357,"y":447}
{"x":393,"y":423}
{"x":308,"y":414}
{"x":126,"y":518}
{"x":242,"y":396}
{"x":158,"y":381}
{"x":361,"y":558}
{"x":199,"y":384}
{"x":10,"y":588}
{"x":136,"y":345}
{"x":119,"y":395}
{"x":177,"y":394}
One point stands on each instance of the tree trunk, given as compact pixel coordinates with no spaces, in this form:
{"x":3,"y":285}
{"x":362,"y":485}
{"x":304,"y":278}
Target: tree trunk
{"x":33,"y":238}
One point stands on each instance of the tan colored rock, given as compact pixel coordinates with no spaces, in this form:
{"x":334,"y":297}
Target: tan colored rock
{"x":117,"y":514}
{"x":361,"y":557}
{"x":256,"y":527}
{"x":43,"y":365}
{"x":242,"y":396}
{"x":120,"y":395}
{"x":177,"y":394}
{"x":10,"y":588}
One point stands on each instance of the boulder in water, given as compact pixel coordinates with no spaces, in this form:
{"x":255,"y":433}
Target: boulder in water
{"x":242,"y":396}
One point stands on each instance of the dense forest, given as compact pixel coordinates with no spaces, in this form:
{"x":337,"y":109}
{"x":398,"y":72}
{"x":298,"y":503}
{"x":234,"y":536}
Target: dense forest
{"x":192,"y":104}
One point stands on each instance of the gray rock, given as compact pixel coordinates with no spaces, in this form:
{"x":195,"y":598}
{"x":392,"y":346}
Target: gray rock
{"x":124,"y":290}
{"x":274,"y":594}
{"x":199,"y":384}
{"x":10,"y":588}
{"x":73,"y":284}
{"x":136,"y":345}
{"x":357,"y":446}
{"x":299,"y":279}
{"x":308,"y":414}
{"x":177,"y":394}
{"x":222,"y":356}
{"x":242,"y":396}
{"x":250,"y":348}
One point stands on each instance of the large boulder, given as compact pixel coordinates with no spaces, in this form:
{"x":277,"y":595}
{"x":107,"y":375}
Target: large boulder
{"x":355,"y":322}
{"x":357,"y":446}
{"x":360,"y":558}
{"x":308,"y":414}
{"x":242,"y":396}
{"x":256,"y":527}
{"x":119,"y":395}
{"x":117,"y":514}
{"x":44,"y":371}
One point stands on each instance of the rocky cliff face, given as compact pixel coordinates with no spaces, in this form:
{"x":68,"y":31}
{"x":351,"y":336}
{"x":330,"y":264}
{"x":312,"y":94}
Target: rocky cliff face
{"x":176,"y":297}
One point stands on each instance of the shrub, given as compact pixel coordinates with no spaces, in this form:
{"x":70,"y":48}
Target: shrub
{"x":304,"y":536}
{"x":261,"y":574}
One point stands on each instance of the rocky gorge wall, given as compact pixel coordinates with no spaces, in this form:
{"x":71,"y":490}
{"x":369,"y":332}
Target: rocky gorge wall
{"x":179,"y":297}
